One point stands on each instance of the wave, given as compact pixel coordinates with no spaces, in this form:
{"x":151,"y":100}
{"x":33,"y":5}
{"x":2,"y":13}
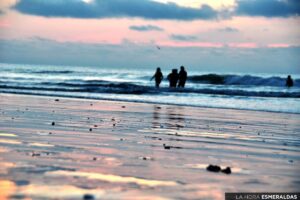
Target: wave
{"x":99,"y":86}
{"x":249,"y":80}
{"x":52,"y":72}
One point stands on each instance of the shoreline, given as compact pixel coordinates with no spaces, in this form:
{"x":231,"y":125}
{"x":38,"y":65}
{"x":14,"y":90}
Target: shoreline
{"x":65,"y":148}
{"x":137,"y":101}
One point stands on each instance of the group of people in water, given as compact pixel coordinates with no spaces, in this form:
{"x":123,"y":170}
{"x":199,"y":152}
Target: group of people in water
{"x":178,"y":79}
{"x":175,"y":79}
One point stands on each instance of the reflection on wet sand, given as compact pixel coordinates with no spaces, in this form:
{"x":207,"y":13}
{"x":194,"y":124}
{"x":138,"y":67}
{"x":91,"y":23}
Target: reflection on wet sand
{"x":5,"y":166}
{"x":7,"y":188}
{"x":7,"y":135}
{"x":176,"y":117}
{"x":112,"y":178}
{"x":3,"y":150}
{"x":168,"y":117}
{"x":156,"y":116}
{"x":8,"y":141}
{"x":40,"y":144}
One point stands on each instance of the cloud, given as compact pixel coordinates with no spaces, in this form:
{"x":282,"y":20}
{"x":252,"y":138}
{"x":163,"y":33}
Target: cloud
{"x":183,"y":37}
{"x":268,"y":8}
{"x":147,"y":9}
{"x":228,"y":30}
{"x":146,"y":28}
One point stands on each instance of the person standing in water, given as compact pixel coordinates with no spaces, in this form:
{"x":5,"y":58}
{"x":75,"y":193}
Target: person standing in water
{"x":158,"y":77}
{"x":289,"y":81}
{"x":182,"y":77}
{"x":173,"y":78}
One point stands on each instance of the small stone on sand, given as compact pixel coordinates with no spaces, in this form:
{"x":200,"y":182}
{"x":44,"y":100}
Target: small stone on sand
{"x":213,"y":168}
{"x":91,"y":129}
{"x":35,"y":154}
{"x":88,"y":197}
{"x":56,"y":99}
{"x":227,"y":170}
{"x":53,"y":123}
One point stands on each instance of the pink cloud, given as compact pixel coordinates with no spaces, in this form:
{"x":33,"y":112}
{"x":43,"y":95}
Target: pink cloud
{"x":191,"y":44}
{"x":114,"y":31}
{"x":279,"y":45}
{"x":242,"y":45}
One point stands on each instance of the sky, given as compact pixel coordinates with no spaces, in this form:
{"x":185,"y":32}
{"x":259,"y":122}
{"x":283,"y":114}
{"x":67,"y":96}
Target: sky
{"x":260,"y":36}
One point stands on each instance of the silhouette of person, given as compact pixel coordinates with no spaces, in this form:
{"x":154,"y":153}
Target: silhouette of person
{"x":158,"y":77}
{"x":182,"y":77}
{"x":173,"y":78}
{"x":289,"y":81}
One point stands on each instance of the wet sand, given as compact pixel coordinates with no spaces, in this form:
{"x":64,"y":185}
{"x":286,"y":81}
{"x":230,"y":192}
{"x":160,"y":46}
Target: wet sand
{"x":60,"y":148}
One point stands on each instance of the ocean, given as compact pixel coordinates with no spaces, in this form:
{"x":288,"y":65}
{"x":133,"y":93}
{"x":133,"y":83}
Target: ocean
{"x":263,"y":92}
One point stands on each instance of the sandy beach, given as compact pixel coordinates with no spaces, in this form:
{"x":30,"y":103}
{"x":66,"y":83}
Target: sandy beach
{"x":63,"y":148}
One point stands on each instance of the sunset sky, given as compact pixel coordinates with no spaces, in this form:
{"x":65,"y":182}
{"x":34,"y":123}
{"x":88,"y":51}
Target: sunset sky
{"x":214,"y":35}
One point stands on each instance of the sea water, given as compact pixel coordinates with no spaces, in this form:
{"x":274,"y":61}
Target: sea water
{"x":264,"y":92}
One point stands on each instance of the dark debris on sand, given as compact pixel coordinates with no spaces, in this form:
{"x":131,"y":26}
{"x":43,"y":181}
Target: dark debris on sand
{"x":213,"y":168}
{"x":35,"y":154}
{"x":227,"y":170}
{"x":216,"y":168}
{"x":171,"y":147}
{"x":88,"y":197}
